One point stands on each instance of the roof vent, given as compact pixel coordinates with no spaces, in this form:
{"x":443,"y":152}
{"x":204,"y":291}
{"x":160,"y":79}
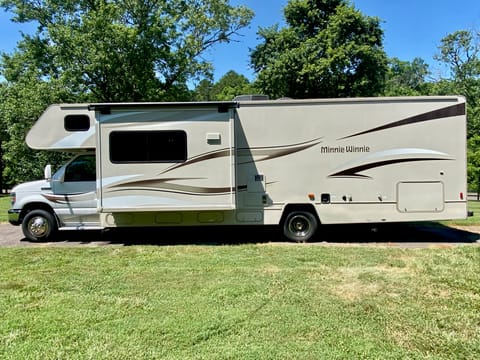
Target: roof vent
{"x":250,"y":97}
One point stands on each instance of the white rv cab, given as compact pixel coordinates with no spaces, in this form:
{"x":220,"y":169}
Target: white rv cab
{"x":297,"y":163}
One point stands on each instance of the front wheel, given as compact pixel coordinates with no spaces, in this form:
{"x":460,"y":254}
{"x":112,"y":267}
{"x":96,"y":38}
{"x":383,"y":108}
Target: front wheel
{"x":39,"y":225}
{"x":300,"y":226}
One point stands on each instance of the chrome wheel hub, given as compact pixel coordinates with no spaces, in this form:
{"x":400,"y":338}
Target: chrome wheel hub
{"x":38,"y":226}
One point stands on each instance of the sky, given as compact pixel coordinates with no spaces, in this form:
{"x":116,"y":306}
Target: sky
{"x":412,"y":28}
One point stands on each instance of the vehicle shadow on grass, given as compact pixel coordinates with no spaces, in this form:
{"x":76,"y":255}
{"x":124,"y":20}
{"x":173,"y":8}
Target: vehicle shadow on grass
{"x":402,"y":235}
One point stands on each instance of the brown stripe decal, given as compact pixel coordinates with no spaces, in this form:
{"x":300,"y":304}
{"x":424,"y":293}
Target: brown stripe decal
{"x":164,"y":185}
{"x":353,"y":172}
{"x":185,"y":190}
{"x":202,"y":157}
{"x":267,"y":153}
{"x":71,"y":198}
{"x":258,"y":154}
{"x":453,"y":110}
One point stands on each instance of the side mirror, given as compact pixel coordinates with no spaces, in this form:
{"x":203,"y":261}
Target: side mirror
{"x":48,"y":172}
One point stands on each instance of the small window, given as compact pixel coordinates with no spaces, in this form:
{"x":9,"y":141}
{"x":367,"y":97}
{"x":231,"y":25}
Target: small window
{"x":77,"y":123}
{"x":81,"y":169}
{"x":148,"y":146}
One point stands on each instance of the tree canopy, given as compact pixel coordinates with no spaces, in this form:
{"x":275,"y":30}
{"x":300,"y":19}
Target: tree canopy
{"x":137,"y":50}
{"x":405,"y":78}
{"x":125,"y":50}
{"x":21,"y":104}
{"x":460,"y":51}
{"x":327,"y":49}
{"x":225,"y":89}
{"x":102,"y":51}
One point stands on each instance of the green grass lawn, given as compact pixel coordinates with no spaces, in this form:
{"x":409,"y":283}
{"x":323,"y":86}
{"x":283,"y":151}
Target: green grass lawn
{"x":4,"y":206}
{"x":239,"y":302}
{"x":473,"y":220}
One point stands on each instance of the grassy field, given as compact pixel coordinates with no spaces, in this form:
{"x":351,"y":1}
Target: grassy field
{"x":470,"y":221}
{"x":4,"y":206}
{"x":239,"y":302}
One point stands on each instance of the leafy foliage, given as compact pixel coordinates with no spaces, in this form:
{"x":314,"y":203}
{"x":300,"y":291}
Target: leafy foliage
{"x":134,"y":50}
{"x":103,"y":51}
{"x":474,"y":163}
{"x":127,"y":50}
{"x":406,"y":78}
{"x":328,"y":49}
{"x":230,"y":85}
{"x":22,"y":103}
{"x":460,"y":51}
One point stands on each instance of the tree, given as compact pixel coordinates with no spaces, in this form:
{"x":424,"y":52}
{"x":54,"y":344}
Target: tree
{"x":3,"y":135}
{"x":230,"y":85}
{"x":22,"y":103}
{"x":406,"y":78}
{"x":204,"y":90}
{"x":103,"y":50}
{"x":460,"y":51}
{"x":126,"y":50}
{"x":327,"y":49}
{"x":473,"y":165}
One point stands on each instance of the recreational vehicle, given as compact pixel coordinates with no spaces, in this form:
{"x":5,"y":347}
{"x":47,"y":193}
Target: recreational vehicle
{"x":295,"y":163}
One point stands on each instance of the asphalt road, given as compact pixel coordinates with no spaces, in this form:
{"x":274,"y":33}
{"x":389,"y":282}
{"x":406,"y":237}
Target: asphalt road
{"x":409,"y":235}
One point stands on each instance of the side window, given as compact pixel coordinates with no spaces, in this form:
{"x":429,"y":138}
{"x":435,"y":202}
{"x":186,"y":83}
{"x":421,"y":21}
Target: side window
{"x":81,"y":169}
{"x":76,"y":123}
{"x":148,"y":146}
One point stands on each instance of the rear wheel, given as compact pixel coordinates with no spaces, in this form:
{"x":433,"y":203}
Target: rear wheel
{"x":300,"y":226}
{"x":39,"y":225}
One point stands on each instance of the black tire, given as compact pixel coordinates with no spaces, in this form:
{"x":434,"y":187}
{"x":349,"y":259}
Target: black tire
{"x":39,"y":225}
{"x":300,"y":226}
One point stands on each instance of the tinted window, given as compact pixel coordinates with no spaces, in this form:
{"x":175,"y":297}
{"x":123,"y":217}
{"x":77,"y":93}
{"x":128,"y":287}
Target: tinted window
{"x":77,"y":123}
{"x":148,"y":146}
{"x":81,"y":169}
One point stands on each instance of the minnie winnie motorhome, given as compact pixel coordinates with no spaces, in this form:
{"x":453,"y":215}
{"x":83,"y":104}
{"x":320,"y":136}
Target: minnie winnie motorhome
{"x":297,"y":163}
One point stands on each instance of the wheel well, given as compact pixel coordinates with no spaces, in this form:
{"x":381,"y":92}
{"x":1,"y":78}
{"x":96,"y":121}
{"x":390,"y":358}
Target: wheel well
{"x":37,"y":206}
{"x":299,"y":207}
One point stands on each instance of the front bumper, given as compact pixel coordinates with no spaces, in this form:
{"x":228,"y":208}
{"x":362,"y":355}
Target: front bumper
{"x":14,"y":216}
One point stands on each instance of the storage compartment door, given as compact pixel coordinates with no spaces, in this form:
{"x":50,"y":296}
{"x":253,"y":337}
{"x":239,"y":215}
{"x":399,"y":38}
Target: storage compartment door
{"x":420,"y":197}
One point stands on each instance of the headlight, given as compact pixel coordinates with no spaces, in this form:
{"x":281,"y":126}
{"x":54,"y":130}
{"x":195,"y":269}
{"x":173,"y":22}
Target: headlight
{"x":13,"y":198}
